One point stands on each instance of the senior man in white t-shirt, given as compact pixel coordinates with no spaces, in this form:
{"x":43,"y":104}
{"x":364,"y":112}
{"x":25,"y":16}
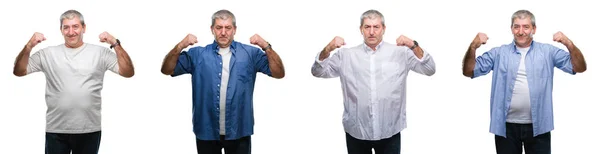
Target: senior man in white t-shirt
{"x":74,"y":75}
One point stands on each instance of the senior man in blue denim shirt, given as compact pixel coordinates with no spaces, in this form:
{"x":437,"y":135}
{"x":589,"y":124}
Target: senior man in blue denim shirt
{"x":521,"y":98}
{"x":223,"y":75}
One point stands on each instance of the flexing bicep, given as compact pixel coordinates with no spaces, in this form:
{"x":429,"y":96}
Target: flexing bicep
{"x":329,"y":67}
{"x":34,"y":63}
{"x":485,"y":63}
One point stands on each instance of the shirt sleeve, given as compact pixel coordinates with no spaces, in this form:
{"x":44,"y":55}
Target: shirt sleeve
{"x":110,"y":61}
{"x":184,"y":63}
{"x":562,"y":60}
{"x":329,"y":67}
{"x":485,"y":63}
{"x":425,"y":65}
{"x":262,"y":62}
{"x":35,"y":62}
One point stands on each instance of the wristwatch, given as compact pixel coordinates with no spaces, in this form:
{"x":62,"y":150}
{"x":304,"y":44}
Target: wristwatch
{"x":415,"y":45}
{"x":117,"y":43}
{"x":268,"y":46}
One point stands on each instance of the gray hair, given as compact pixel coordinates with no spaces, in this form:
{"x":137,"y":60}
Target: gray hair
{"x":223,"y":15}
{"x":372,"y":14}
{"x":70,"y":14}
{"x":522,"y":14}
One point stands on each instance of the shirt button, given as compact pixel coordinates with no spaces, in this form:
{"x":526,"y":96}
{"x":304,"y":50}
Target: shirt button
{"x":220,"y":63}
{"x":219,"y":74}
{"x":218,"y":85}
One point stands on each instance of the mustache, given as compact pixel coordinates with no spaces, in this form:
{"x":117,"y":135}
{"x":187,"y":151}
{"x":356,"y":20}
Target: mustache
{"x":521,"y":35}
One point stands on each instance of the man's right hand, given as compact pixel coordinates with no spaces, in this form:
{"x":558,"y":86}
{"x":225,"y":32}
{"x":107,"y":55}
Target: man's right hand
{"x":480,"y":39}
{"x":35,"y":40}
{"x":337,"y":42}
{"x":187,"y":41}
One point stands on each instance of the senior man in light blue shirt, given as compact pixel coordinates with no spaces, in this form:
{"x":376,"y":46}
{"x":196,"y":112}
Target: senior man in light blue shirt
{"x":521,"y":98}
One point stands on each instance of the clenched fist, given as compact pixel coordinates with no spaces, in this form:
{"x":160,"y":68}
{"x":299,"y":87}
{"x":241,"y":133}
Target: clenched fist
{"x":404,"y":41}
{"x":259,"y":41}
{"x":561,"y":38}
{"x":105,"y":37}
{"x":337,"y":42}
{"x":187,"y":41}
{"x":480,"y":39}
{"x":35,"y":39}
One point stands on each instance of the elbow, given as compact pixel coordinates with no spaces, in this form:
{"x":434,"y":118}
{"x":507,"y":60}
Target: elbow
{"x":166,"y":71}
{"x":278,"y":75}
{"x":431,"y":73}
{"x":128,"y":74}
{"x":19,"y":73}
{"x":580,"y":69}
{"x":468,"y":74}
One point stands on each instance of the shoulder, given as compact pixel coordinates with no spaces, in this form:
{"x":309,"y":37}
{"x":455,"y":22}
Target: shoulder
{"x":245,"y":47}
{"x":546,"y":47}
{"x":95,"y":47}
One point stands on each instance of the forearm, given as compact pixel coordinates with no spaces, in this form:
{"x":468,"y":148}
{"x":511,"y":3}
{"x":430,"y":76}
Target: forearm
{"x":469,"y":61}
{"x":324,"y":53}
{"x":577,"y":59}
{"x":418,"y":51}
{"x":21,"y":62}
{"x":125,"y":65}
{"x":170,"y":61}
{"x":275,"y":64}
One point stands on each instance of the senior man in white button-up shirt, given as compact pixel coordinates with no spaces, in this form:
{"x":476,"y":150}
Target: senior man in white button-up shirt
{"x":373,"y":76}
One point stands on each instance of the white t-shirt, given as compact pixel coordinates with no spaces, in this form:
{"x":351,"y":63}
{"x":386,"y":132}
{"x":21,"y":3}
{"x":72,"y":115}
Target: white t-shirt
{"x":74,"y":79}
{"x":226,"y":55}
{"x":520,"y":106}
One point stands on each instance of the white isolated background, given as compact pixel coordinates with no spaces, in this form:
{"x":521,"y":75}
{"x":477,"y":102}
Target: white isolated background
{"x":151,"y":112}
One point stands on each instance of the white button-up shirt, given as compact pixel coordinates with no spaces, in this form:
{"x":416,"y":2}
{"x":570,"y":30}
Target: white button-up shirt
{"x":373,"y":86}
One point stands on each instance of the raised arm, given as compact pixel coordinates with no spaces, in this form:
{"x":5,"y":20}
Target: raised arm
{"x":275,"y":63}
{"x":577,"y":59}
{"x":170,"y":61}
{"x":325,"y":67}
{"x":22,"y":59}
{"x":469,"y":60}
{"x":123,"y":60}
{"x":421,"y":62}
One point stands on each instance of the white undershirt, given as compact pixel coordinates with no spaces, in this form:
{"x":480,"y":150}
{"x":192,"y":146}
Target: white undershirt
{"x":226,"y":55}
{"x":520,"y":106}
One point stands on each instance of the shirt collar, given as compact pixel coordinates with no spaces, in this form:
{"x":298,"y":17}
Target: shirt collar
{"x":368,"y":49}
{"x":215,"y":46}
{"x":514,"y":46}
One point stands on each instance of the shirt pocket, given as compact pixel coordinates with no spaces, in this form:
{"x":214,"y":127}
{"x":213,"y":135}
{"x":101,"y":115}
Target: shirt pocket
{"x":243,"y":72}
{"x":390,"y":69}
{"x":542,"y":69}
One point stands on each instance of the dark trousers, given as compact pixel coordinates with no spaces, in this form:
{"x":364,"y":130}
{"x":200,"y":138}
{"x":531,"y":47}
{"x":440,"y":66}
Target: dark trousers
{"x":518,"y":135}
{"x":239,"y":146}
{"x":384,"y":146}
{"x":58,"y":143}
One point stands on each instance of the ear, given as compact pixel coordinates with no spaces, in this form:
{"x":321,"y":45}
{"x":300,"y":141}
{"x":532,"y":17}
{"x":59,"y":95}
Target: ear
{"x":83,"y":29}
{"x":533,"y":30}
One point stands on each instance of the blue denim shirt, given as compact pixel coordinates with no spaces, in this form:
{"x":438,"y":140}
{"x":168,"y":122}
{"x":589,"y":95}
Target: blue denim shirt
{"x":205,"y":66}
{"x":539,"y":63}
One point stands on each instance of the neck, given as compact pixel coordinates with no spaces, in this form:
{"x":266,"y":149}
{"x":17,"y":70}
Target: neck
{"x":74,"y":46}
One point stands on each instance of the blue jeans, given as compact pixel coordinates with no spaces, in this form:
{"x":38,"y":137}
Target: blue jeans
{"x":239,"y":146}
{"x":518,"y":135}
{"x":58,"y":143}
{"x":384,"y":146}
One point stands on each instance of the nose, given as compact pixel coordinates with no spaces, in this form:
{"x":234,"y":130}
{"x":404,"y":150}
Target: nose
{"x":222,"y":32}
{"x":371,"y":31}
